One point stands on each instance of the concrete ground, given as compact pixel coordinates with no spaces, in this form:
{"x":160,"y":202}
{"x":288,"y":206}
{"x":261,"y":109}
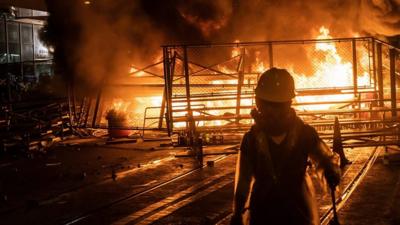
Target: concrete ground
{"x":126,"y":182}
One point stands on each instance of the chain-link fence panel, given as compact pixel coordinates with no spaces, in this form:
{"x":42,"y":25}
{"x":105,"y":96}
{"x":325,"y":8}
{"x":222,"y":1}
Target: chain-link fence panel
{"x":218,"y":80}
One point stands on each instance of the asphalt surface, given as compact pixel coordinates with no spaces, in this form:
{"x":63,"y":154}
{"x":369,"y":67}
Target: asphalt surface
{"x":91,"y":182}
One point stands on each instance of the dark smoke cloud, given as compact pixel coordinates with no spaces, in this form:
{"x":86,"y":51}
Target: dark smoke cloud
{"x":207,"y":16}
{"x":296,"y":19}
{"x":103,"y":39}
{"x":381,"y":17}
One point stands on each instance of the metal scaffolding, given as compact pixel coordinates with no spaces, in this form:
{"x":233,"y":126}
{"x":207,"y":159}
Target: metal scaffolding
{"x":209,"y":88}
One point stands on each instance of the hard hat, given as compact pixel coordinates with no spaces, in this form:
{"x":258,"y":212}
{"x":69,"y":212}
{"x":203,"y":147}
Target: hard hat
{"x":275,"y":85}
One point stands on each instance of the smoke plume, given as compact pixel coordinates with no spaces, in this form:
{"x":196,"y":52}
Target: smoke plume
{"x":99,"y":41}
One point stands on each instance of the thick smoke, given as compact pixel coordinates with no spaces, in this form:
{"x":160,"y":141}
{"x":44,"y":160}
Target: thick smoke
{"x":297,"y":19}
{"x":99,"y":41}
{"x":381,"y":17}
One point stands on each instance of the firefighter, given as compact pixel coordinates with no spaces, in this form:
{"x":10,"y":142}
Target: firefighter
{"x":271,"y":183}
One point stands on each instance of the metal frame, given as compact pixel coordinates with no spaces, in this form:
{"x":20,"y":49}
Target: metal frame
{"x":97,"y":102}
{"x":376,"y":68}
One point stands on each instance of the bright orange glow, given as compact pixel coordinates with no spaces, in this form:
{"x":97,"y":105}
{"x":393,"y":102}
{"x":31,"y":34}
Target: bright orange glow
{"x":330,"y":68}
{"x":134,"y":108}
{"x":332,"y":71}
{"x":236,"y":51}
{"x":133,"y":72}
{"x":258,"y":65}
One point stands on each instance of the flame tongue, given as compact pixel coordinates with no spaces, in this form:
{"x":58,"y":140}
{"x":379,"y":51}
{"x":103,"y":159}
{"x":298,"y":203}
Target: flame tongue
{"x":330,"y":70}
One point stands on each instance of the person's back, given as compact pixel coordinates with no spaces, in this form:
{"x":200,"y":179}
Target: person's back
{"x":273,"y":157}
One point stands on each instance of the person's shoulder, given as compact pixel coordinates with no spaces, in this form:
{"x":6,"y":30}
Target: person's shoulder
{"x":307,"y":130}
{"x":309,"y":134}
{"x":248,"y":135}
{"x":247,"y":140}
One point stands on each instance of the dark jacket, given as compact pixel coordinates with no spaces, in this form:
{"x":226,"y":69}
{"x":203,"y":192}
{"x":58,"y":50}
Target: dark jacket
{"x":272,"y":177}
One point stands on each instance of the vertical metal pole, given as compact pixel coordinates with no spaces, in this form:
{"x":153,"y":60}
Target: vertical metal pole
{"x":88,"y":111}
{"x":171,"y":74}
{"x":162,"y":109}
{"x":166,"y":84}
{"x":33,"y":54}
{"x":392,"y":55}
{"x":240,"y":83}
{"x":70,"y":113}
{"x":379,"y":73}
{"x":6,"y":33}
{"x":8,"y":61}
{"x":374,"y":70}
{"x":21,"y":61}
{"x":96,"y":107}
{"x":73,"y":99}
{"x":355,"y":81}
{"x":165,"y":67}
{"x":187,"y":80}
{"x":61,"y":119}
{"x":192,"y":128}
{"x":81,"y":112}
{"x":271,"y":55}
{"x":171,"y":67}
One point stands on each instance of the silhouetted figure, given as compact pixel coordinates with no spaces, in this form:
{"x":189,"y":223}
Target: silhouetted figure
{"x":272,"y":162}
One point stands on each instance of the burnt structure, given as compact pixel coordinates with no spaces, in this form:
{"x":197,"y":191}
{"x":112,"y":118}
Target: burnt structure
{"x":209,"y":87}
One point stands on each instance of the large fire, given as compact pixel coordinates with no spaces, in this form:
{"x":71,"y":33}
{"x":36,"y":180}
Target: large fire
{"x":330,"y":70}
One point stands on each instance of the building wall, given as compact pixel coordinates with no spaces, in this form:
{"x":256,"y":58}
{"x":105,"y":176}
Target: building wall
{"x":24,"y":58}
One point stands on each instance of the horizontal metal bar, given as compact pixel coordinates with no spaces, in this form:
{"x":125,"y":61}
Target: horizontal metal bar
{"x":294,"y":104}
{"x":262,"y":43}
{"x":310,"y":113}
{"x":386,"y":44}
{"x":300,"y":92}
{"x":126,"y":127}
{"x":213,"y":99}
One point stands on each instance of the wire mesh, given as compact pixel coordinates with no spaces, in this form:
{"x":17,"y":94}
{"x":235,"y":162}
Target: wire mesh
{"x":221,"y":78}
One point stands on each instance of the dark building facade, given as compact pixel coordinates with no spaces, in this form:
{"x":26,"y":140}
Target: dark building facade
{"x":24,"y":58}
